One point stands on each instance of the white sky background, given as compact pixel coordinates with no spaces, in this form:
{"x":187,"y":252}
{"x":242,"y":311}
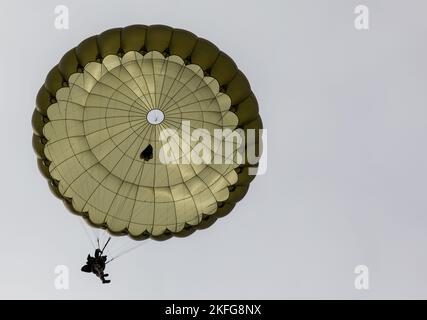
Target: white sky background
{"x":346,"y":113}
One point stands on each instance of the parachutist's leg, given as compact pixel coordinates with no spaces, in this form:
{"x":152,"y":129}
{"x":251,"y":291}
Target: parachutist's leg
{"x":103,"y":278}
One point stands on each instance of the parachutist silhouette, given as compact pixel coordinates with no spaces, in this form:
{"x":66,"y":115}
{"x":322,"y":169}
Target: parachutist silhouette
{"x":96,"y":265}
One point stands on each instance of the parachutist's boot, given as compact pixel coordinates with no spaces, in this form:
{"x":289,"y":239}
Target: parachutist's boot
{"x":105,"y":280}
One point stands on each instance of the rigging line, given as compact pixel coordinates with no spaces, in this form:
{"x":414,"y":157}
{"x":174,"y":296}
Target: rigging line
{"x":126,"y":251}
{"x":133,"y":94}
{"x":104,"y":237}
{"x":105,"y":242}
{"x":88,"y":235}
{"x":111,"y":250}
{"x":100,"y":236}
{"x":115,"y":248}
{"x":113,"y":245}
{"x":121,"y":246}
{"x":105,"y":245}
{"x":127,"y":172}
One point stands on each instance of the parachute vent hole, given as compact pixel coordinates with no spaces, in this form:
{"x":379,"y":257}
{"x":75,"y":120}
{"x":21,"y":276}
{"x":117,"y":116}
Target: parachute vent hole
{"x":147,"y":153}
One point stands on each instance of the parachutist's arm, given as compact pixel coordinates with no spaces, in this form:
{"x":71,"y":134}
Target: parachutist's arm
{"x":86,"y":268}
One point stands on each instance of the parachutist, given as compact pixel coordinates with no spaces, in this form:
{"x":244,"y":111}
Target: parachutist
{"x":96,"y":265}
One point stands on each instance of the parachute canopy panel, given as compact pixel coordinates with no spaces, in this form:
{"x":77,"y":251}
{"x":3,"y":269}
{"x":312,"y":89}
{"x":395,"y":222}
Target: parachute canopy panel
{"x":99,"y":123}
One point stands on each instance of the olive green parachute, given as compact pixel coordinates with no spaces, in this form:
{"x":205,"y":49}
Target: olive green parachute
{"x":98,"y":144}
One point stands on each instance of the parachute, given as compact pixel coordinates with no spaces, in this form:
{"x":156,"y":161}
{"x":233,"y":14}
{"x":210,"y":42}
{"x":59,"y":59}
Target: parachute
{"x":101,"y":122}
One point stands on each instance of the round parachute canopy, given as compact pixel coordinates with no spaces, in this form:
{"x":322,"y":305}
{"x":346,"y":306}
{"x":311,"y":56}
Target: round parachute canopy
{"x":107,"y":111}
